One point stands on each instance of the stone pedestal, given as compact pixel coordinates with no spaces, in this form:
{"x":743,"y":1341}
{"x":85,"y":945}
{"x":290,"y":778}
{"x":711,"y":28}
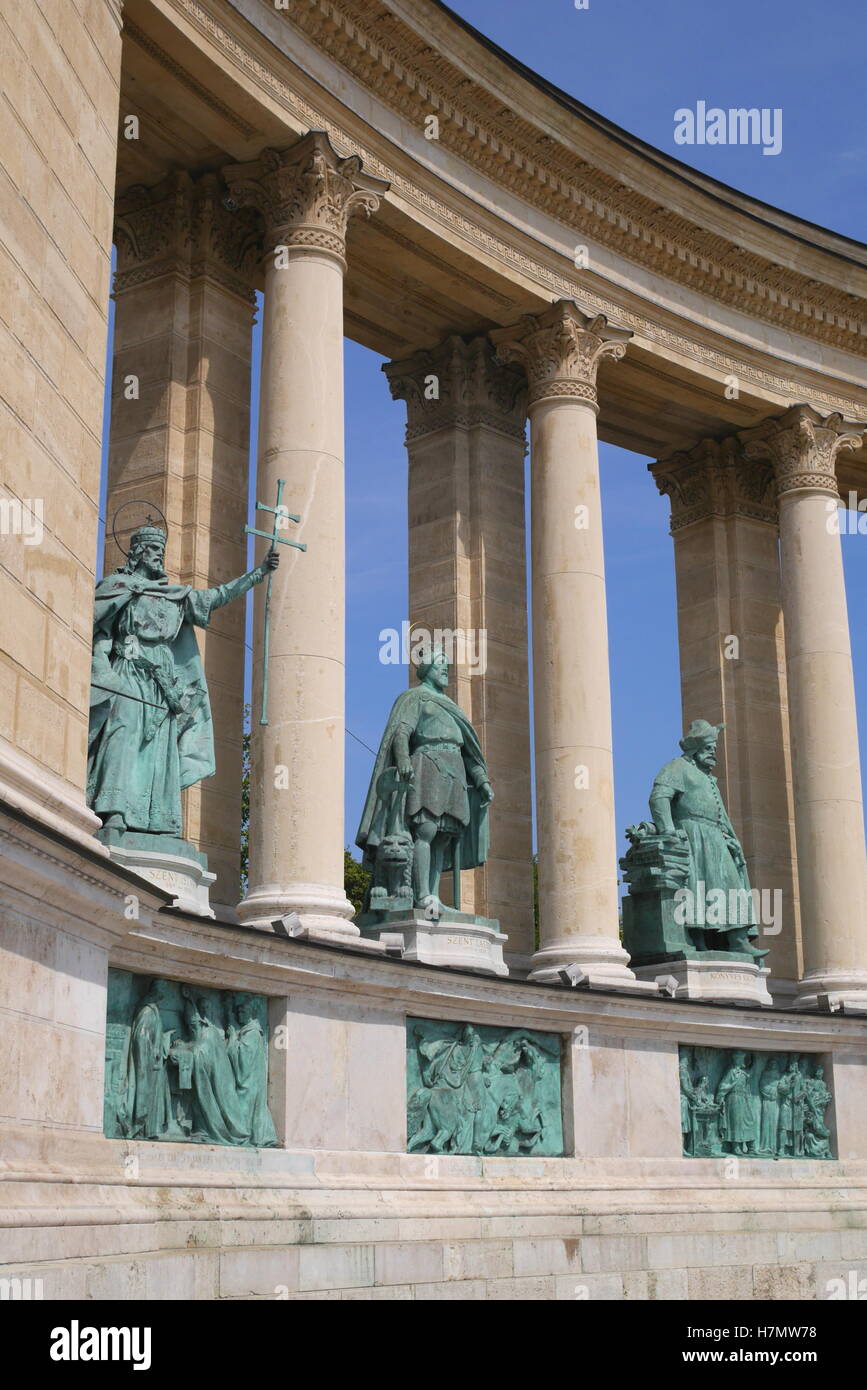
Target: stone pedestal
{"x":720,"y":977}
{"x":561,"y":350}
{"x":459,"y":939}
{"x":168,"y":862}
{"x":306,"y":196}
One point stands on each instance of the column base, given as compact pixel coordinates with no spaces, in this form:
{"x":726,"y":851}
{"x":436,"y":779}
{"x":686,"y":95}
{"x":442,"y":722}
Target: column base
{"x":325,"y":911}
{"x":602,"y":958}
{"x":832,"y":989}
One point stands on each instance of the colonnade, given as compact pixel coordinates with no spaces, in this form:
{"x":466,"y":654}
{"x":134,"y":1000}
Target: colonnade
{"x":467,"y":568}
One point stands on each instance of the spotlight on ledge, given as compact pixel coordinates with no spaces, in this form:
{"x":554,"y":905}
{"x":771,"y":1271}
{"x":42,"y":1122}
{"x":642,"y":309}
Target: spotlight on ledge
{"x":394,"y":943}
{"x":830,"y":1004}
{"x":573,"y":977}
{"x":290,"y":925}
{"x":667,"y":985}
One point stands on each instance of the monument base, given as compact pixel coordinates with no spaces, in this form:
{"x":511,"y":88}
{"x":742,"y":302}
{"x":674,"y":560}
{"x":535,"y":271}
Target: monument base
{"x":721,"y":977}
{"x":167,"y":861}
{"x":457,"y":938}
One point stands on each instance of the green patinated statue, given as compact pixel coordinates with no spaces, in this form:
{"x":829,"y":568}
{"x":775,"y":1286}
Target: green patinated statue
{"x":689,"y":892}
{"x":186,"y":1065}
{"x":150,"y":729}
{"x":482,"y":1090}
{"x":427,"y":804}
{"x":753,"y":1104}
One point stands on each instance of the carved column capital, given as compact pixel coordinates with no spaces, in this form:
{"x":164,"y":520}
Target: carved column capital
{"x":459,"y":383}
{"x":560,"y":350}
{"x":306,"y":194}
{"x":182,"y":226}
{"x":802,"y":446}
{"x":715,"y":478}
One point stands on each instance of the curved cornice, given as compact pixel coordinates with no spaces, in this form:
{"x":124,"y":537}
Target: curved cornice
{"x":420,"y":59}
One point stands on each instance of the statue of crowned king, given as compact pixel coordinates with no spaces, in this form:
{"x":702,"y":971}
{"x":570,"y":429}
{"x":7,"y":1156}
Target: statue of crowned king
{"x":150,"y":732}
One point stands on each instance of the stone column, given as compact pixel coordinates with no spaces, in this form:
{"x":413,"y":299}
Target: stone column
{"x":561,"y":350}
{"x":180,"y":439}
{"x":829,"y":817}
{"x":732,"y":660}
{"x":467,"y":577}
{"x":306,"y":195}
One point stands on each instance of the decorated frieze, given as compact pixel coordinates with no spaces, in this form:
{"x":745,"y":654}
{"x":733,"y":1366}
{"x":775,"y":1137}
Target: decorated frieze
{"x":474,"y":1089}
{"x":186,"y":1064}
{"x":753,"y":1104}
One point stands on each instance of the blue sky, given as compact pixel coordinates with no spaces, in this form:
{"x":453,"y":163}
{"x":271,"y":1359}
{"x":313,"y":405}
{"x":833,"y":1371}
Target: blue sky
{"x":636,"y":62}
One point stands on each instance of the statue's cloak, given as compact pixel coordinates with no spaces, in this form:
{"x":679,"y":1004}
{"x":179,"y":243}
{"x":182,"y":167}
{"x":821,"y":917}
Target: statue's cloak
{"x":474,"y":839}
{"x":196,"y":743}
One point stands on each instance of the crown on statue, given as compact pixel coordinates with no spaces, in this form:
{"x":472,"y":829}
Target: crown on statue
{"x":143,"y":535}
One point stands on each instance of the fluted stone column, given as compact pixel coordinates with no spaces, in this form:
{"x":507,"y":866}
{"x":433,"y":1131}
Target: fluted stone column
{"x":467,"y":575}
{"x":306,"y":195}
{"x":732,"y":661}
{"x":561,"y":350}
{"x":179,"y":439}
{"x":829,"y":814}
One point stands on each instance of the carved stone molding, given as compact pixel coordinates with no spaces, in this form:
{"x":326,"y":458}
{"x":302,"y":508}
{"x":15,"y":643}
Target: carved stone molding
{"x":802,"y":446}
{"x":725,"y":283}
{"x":715,"y":478}
{"x":181,"y":226}
{"x":560,"y":351}
{"x":391,"y":59}
{"x":459,"y":384}
{"x":306,"y":194}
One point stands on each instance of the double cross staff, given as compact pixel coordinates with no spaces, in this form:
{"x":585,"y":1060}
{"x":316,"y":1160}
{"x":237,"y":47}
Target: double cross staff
{"x":279,"y":512}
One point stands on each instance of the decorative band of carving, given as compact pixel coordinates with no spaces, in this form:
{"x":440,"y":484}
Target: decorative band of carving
{"x":449,"y":419}
{"x":317,"y":238}
{"x":814,"y":482}
{"x":560,"y":389}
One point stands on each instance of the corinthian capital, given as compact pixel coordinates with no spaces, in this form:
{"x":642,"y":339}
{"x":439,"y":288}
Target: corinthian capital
{"x":560,"y":350}
{"x":802,"y":446}
{"x":715,"y":478}
{"x":305,"y":194}
{"x":181,"y":227}
{"x":458,"y":383}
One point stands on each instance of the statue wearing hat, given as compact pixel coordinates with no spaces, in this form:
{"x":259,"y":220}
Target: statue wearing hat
{"x":150,"y":731}
{"x":689,"y":892}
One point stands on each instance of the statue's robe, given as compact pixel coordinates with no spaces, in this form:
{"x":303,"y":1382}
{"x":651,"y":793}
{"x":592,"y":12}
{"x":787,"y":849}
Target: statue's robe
{"x":248,"y":1054}
{"x":733,"y":1092}
{"x":217,"y":1112}
{"x":140,"y":754}
{"x":697,"y":808}
{"x":149,"y":1096}
{"x":769,"y":1128}
{"x":447,"y":764}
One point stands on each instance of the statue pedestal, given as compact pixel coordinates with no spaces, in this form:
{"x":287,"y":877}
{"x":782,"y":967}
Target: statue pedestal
{"x":167,"y":861}
{"x":457,"y":938}
{"x":722,"y":977}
